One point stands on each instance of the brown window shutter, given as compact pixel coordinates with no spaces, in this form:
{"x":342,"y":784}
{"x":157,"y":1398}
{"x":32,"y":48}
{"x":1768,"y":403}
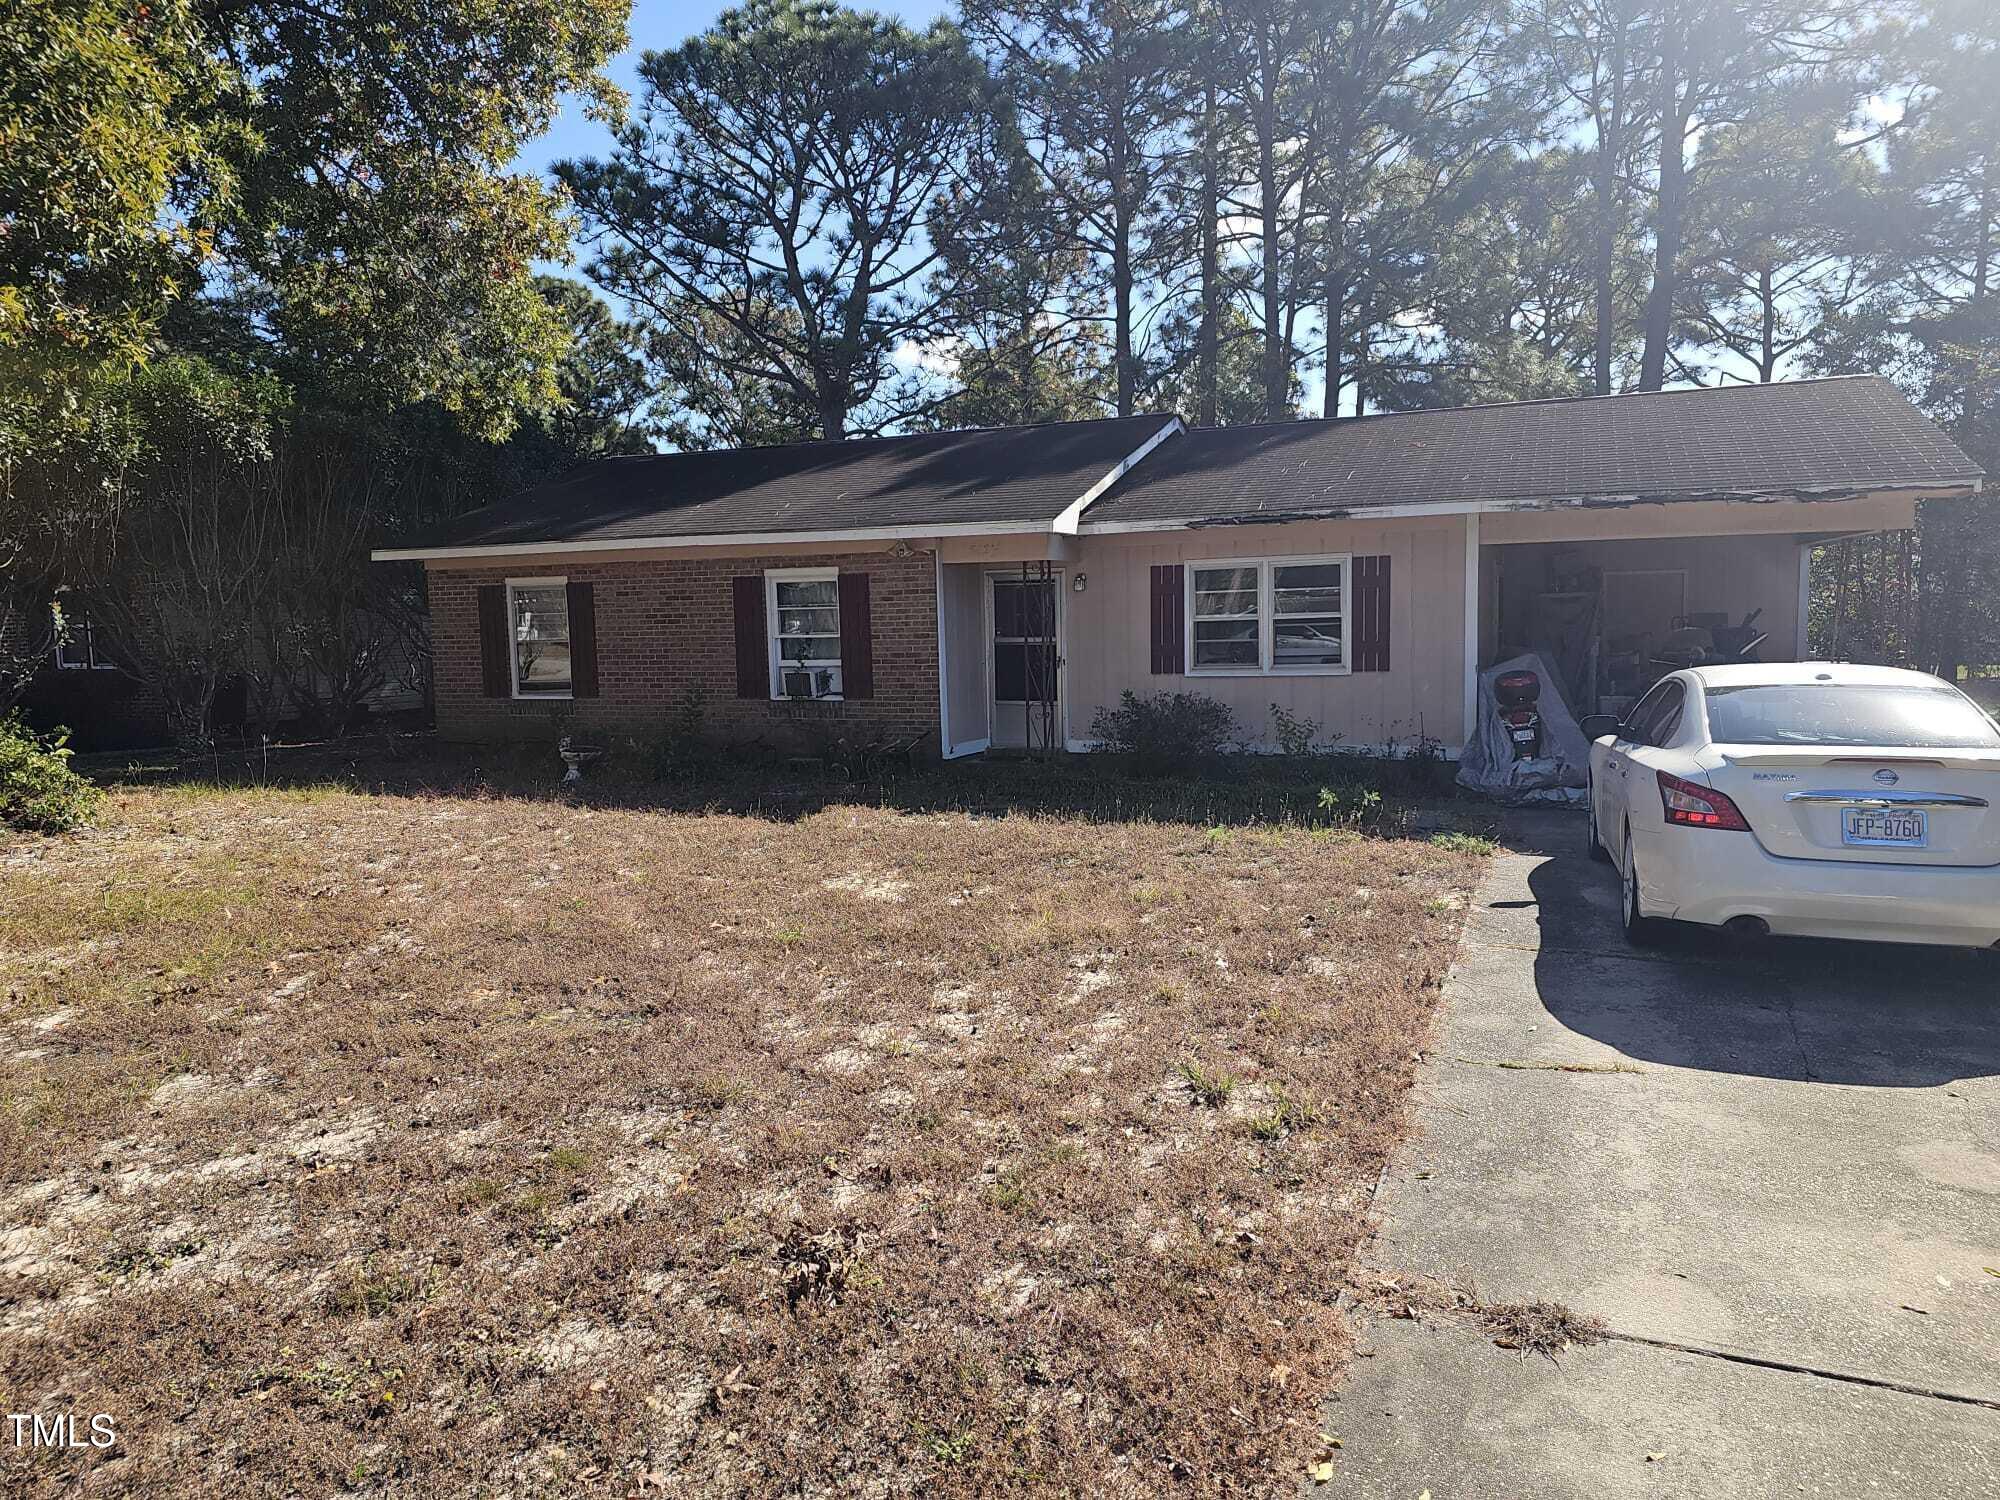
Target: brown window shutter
{"x":857,"y":638}
{"x":496,"y":670}
{"x":753,"y":652}
{"x":1371,"y":614}
{"x":1169,"y":619}
{"x":582,"y":641}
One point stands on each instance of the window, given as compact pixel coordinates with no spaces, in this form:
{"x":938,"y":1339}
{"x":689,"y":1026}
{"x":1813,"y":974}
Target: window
{"x":1663,"y":722}
{"x":77,"y":648}
{"x":1837,"y":713}
{"x":1636,"y":728}
{"x":538,"y":623}
{"x":1226,"y":611}
{"x":1283,"y":615}
{"x":803,"y":608}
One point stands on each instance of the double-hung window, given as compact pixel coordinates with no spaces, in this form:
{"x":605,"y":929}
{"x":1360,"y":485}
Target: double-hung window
{"x":1268,"y":615}
{"x":802,"y":606}
{"x":77,"y":646}
{"x":538,"y":624}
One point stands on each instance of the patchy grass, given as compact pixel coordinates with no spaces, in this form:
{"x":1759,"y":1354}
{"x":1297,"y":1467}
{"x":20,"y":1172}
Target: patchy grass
{"x":472,"y":1144}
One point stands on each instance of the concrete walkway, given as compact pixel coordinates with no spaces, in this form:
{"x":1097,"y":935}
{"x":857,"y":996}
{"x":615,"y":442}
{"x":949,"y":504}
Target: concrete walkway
{"x":1775,"y":1175}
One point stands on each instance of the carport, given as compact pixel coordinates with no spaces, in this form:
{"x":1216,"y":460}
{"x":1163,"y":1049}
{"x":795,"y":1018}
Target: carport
{"x":1604,"y":589}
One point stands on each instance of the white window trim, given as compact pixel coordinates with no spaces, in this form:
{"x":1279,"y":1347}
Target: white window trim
{"x":87,"y":638}
{"x":773,"y":660}
{"x":514,"y":655}
{"x":1267,"y":618}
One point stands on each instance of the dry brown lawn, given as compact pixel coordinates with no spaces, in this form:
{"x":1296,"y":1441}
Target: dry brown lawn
{"x":435,"y":1145}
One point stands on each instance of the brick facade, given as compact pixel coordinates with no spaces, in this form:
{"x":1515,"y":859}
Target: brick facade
{"x":667,"y":626}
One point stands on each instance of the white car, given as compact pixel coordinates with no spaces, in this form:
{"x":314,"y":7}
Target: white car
{"x":1811,"y":799}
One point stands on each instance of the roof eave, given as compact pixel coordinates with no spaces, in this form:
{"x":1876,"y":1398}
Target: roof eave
{"x":474,"y":553}
{"x":1932,"y":489}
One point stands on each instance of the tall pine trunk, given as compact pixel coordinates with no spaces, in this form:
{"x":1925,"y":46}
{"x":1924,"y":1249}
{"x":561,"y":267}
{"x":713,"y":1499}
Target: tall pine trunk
{"x":1276,"y":376}
{"x":1270,"y":208}
{"x":1208,"y":341}
{"x":1767,"y":330}
{"x":1610,"y":146}
{"x":1333,"y":291}
{"x":1671,"y":215}
{"x":1121,"y":306}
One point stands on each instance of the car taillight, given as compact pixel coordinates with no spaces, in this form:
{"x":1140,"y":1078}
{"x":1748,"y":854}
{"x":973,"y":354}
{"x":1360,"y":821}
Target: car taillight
{"x":1693,"y":806}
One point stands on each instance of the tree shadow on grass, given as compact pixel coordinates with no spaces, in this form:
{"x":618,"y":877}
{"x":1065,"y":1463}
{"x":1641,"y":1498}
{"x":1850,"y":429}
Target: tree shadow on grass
{"x":1241,"y":791}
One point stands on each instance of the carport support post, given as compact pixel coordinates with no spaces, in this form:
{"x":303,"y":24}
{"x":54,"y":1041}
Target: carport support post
{"x":1803,"y":649}
{"x":1471,"y":718}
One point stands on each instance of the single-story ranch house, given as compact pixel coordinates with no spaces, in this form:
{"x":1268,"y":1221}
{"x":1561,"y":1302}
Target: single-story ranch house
{"x":984,"y":589}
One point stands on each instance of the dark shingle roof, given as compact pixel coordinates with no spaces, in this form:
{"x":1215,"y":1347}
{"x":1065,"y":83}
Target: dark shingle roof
{"x":1004,"y":474}
{"x":1849,"y":433}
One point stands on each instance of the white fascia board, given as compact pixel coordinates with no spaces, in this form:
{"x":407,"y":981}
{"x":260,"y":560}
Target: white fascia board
{"x":1066,"y":523}
{"x":1248,"y":521}
{"x":1515,"y":507}
{"x":730,"y":539}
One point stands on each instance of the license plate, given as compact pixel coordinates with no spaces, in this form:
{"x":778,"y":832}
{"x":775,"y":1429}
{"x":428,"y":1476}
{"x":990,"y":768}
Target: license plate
{"x":1874,"y":826}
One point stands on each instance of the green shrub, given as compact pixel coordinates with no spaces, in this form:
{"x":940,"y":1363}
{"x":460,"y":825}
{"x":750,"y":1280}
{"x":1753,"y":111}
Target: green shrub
{"x":39,"y":793}
{"x":1349,"y":802}
{"x":1167,"y":732}
{"x":685,"y":749}
{"x":1298,"y":737}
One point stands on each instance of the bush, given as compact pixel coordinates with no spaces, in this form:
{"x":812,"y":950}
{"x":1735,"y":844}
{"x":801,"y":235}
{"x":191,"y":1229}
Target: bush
{"x":1167,"y":732}
{"x":1298,"y":737}
{"x":39,"y":793}
{"x":1349,"y":802}
{"x":684,"y":750}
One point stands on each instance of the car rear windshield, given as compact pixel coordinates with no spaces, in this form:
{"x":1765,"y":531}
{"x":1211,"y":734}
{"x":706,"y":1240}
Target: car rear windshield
{"x":1848,"y":714}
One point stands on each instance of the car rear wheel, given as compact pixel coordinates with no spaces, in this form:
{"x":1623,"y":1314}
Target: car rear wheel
{"x":1593,"y":845}
{"x":1641,"y":931}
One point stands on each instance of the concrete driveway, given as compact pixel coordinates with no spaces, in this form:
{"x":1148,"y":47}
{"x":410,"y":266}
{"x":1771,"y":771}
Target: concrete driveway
{"x":1775,"y":1175}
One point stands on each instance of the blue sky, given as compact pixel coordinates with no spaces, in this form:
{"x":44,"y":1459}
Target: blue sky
{"x":657,"y":25}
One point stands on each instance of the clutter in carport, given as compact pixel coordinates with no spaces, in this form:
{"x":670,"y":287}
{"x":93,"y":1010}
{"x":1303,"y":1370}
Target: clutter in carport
{"x":1503,"y":759}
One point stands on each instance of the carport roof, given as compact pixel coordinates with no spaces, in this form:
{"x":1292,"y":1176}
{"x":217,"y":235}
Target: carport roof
{"x":1809,"y":438}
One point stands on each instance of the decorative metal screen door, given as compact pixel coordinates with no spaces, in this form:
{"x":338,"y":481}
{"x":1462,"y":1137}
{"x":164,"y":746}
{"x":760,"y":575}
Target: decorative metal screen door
{"x":1026,"y":663}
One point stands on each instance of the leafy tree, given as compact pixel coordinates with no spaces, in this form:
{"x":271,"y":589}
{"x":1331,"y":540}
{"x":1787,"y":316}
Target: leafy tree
{"x":1027,"y":344}
{"x":1773,"y":238}
{"x":1640,"y":82}
{"x":1262,"y":65}
{"x":1096,"y":86}
{"x":1238,"y":353}
{"x":1513,"y":293}
{"x":1410,"y":120}
{"x":377,"y":203}
{"x":1587,"y":51}
{"x":767,"y":205}
{"x":604,"y":392}
{"x":1935,"y":318}
{"x":700,"y":356}
{"x":108,"y":140}
{"x":175,"y":564}
{"x":348,"y":159}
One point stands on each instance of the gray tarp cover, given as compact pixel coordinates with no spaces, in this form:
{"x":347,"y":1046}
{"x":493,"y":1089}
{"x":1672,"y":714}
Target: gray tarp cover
{"x":1559,"y":774}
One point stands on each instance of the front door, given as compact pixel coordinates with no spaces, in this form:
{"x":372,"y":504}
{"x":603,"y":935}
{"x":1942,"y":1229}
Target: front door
{"x":1026,"y":661}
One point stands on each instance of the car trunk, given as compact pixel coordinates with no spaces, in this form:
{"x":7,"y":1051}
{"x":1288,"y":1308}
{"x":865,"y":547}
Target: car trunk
{"x":1888,"y":806}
